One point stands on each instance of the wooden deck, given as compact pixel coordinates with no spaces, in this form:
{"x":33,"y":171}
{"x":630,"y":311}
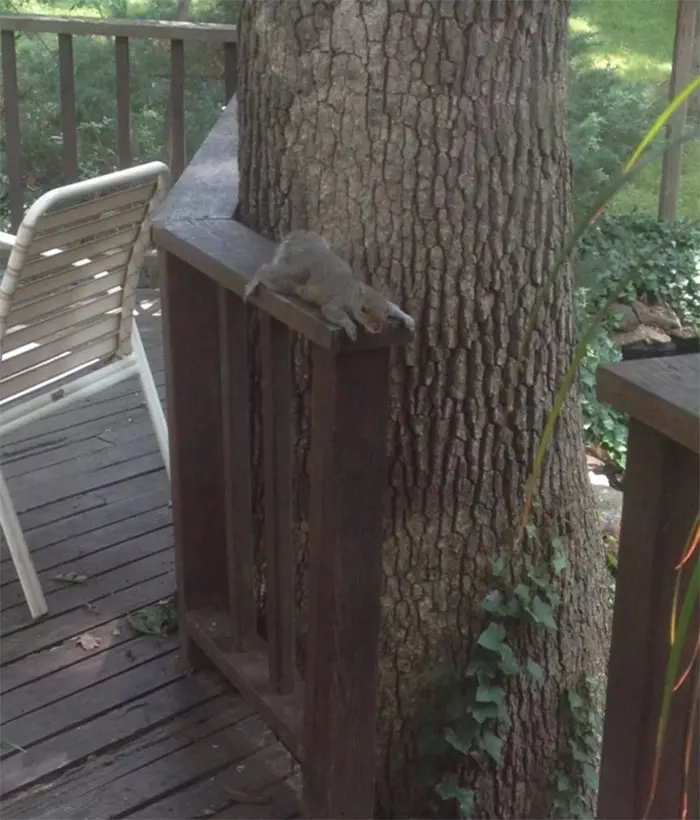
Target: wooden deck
{"x":114,"y":731}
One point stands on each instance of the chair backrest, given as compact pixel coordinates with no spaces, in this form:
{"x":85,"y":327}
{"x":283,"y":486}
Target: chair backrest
{"x":67,"y":295}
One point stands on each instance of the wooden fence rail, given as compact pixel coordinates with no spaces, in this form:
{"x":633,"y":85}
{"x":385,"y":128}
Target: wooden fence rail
{"x":206,"y":259}
{"x":122,"y":32}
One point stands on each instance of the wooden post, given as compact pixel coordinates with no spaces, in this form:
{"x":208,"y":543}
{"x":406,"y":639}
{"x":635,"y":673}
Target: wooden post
{"x":683,"y":52}
{"x":348,"y":480}
{"x":190,"y":301}
{"x":662,"y":492}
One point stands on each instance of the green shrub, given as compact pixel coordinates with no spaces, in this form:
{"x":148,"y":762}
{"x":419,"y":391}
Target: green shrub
{"x":608,"y":115}
{"x":666,"y":259}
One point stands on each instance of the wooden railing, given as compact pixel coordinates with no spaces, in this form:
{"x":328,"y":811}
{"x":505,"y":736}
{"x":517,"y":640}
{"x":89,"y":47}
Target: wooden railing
{"x":122,"y":32}
{"x":206,"y":259}
{"x":661,"y":502}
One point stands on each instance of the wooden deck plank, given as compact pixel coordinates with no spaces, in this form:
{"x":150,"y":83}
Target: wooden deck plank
{"x":91,"y":669}
{"x":114,"y":731}
{"x":79,"y":707}
{"x":57,"y":556}
{"x":257,"y":776}
{"x":154,"y":744}
{"x":202,"y":759}
{"x":116,"y":562}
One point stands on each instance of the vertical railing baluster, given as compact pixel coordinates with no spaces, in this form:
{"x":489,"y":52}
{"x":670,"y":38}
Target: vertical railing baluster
{"x":230,"y":70}
{"x":236,"y":420}
{"x":121,"y":59}
{"x":68,"y":120}
{"x":178,"y":150}
{"x":10,"y":92}
{"x":350,"y":410}
{"x":277,"y":385}
{"x":190,"y":302}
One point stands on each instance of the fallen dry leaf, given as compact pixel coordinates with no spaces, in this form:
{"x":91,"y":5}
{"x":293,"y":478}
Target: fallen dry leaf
{"x":87,"y":642}
{"x":244,"y":797}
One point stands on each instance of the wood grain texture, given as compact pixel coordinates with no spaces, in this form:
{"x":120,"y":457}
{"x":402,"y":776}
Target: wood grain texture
{"x":660,"y":504}
{"x":348,"y":484}
{"x":662,"y":393}
{"x":116,"y":730}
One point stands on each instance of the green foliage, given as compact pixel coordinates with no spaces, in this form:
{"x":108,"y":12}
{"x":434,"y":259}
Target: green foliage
{"x":95,"y":80}
{"x":460,"y":728}
{"x":664,"y":255}
{"x":607,"y":116}
{"x":577,"y":772}
{"x":665,"y":259}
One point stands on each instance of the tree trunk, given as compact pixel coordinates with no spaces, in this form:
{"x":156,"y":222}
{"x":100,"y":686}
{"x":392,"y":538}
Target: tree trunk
{"x":426,"y":141}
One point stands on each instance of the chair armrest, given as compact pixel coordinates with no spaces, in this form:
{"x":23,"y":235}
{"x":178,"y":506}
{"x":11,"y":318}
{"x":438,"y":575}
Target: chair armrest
{"x":7,"y":239}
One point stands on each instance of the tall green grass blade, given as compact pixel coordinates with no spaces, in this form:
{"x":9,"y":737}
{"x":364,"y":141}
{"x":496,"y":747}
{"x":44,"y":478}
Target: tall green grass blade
{"x":559,"y":399}
{"x":690,"y":604}
{"x":661,"y":121}
{"x":618,"y":182}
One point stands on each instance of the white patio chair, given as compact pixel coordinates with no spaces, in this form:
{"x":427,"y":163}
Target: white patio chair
{"x":67,"y":327}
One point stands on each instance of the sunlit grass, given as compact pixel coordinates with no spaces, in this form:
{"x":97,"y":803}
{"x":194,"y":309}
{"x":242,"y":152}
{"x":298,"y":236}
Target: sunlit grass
{"x":635,"y":38}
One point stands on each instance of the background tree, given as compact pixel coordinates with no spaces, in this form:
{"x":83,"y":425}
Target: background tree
{"x":427,"y":142}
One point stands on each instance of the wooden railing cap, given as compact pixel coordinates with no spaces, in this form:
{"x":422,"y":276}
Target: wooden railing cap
{"x":196,"y":224}
{"x":663,"y":393}
{"x":114,"y":27}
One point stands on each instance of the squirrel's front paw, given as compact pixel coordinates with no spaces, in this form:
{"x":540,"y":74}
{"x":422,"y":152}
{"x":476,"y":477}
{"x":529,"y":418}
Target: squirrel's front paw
{"x":410,"y":323}
{"x":349,"y":327}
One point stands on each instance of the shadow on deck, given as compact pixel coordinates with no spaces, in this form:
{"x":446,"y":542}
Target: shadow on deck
{"x":116,"y":730}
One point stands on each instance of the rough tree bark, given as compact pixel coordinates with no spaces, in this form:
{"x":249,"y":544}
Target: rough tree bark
{"x":426,"y":140}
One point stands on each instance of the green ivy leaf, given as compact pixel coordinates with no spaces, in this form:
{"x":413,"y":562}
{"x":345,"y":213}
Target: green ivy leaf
{"x":563,"y":783}
{"x":522,"y":591}
{"x":486,"y":711}
{"x":492,"y":745}
{"x":542,"y":613}
{"x":448,"y":788}
{"x":531,"y":532}
{"x":492,"y":637}
{"x":508,"y":663}
{"x":575,"y":700}
{"x":498,"y":568}
{"x":489,"y":694}
{"x":590,"y":776}
{"x":493,"y":603}
{"x":535,"y":670}
{"x":558,"y":563}
{"x":463,"y":741}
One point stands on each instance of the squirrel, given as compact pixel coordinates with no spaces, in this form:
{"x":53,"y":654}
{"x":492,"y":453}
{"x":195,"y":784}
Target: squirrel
{"x":304,"y":265}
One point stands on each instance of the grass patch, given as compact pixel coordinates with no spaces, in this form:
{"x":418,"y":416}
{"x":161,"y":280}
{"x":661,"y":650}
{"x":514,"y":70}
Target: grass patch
{"x":635,"y":38}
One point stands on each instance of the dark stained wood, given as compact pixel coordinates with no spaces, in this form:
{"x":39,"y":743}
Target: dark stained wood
{"x":193,"y":369}
{"x":69,"y":126}
{"x":236,"y":426}
{"x":208,"y":187}
{"x":660,"y":505}
{"x":249,"y":673}
{"x":94,"y":565}
{"x":75,"y":785}
{"x":350,"y":406}
{"x":681,"y":75}
{"x":277,"y":390}
{"x":265,"y":777}
{"x":71,"y":681}
{"x":660,"y":392}
{"x":178,"y":149}
{"x":230,"y":70}
{"x":229,"y":253}
{"x":10,"y":110}
{"x":121,"y":59}
{"x":113,"y":27}
{"x":116,"y":730}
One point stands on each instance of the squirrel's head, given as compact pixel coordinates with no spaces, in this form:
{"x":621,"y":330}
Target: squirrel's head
{"x":372,"y":310}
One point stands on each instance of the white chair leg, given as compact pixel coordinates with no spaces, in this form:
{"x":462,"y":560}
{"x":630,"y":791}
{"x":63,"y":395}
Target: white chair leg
{"x":20,"y":554}
{"x":152,"y":398}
